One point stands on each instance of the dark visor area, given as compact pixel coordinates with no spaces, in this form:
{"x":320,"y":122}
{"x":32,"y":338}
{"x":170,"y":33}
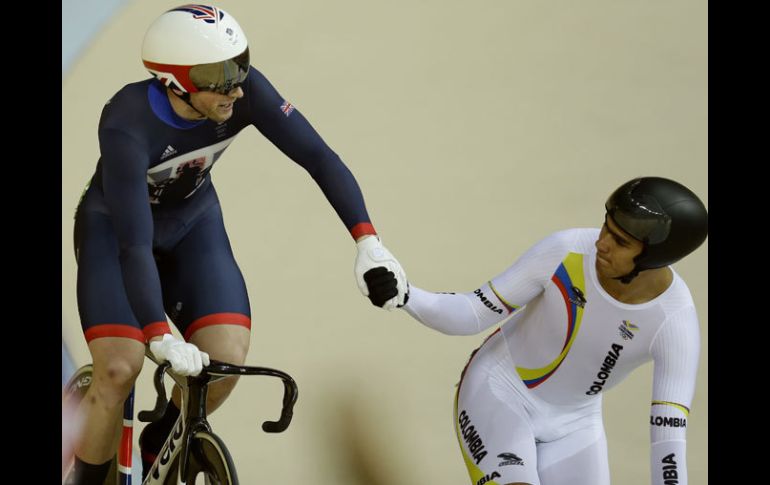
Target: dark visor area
{"x":221,"y":77}
{"x":643,"y":218}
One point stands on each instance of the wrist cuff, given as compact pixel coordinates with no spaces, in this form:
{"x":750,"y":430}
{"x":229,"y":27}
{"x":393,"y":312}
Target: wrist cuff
{"x":362,"y":229}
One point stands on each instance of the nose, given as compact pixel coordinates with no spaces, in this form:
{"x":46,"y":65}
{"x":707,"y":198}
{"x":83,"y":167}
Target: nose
{"x":236,"y":93}
{"x":602,"y":244}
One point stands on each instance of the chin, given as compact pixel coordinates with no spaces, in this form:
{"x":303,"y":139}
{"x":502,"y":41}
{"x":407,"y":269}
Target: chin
{"x":602,"y":272}
{"x":217,"y":118}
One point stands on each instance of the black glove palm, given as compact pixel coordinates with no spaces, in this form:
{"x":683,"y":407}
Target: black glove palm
{"x":382,"y":285}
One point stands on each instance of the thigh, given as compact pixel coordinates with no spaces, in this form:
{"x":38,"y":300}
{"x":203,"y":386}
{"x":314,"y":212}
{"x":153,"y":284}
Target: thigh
{"x":202,"y":284}
{"x":579,"y":458}
{"x":227,"y":343}
{"x":102,"y":301}
{"x":494,"y":432}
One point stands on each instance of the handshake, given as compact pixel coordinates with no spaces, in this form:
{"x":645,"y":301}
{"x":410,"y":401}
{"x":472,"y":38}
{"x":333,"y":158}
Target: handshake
{"x":379,"y":275}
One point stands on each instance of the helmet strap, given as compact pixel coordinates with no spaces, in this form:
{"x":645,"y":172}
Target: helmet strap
{"x":626,"y":279}
{"x":185,"y":96}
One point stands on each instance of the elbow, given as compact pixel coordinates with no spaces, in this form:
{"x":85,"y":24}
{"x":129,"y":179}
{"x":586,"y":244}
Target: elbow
{"x":453,"y":328}
{"x":319,"y":162}
{"x":461,"y":331}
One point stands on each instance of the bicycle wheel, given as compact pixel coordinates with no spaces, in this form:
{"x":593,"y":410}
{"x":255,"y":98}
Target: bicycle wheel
{"x":72,"y":394}
{"x":78,"y":383}
{"x":214,"y":461}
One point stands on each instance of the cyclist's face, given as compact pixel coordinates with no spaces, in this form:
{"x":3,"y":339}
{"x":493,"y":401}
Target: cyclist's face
{"x":615,"y":251}
{"x":215,"y":106}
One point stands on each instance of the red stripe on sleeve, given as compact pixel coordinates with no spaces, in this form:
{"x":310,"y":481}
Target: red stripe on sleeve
{"x":362,"y":229}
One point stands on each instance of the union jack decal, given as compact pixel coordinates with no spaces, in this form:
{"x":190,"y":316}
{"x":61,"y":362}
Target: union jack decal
{"x":287,"y":108}
{"x":201,"y":12}
{"x":167,"y":78}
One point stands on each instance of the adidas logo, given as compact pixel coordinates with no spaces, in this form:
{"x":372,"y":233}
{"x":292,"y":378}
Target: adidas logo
{"x":168,"y":152}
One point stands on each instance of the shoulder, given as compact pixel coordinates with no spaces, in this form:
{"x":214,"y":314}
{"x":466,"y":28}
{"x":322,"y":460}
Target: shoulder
{"x":126,"y":105}
{"x":257,"y":83}
{"x":677,"y":300}
{"x":678,"y":314}
{"x":255,"y":75}
{"x":549,"y":252}
{"x":130,"y":94}
{"x":575,"y":240}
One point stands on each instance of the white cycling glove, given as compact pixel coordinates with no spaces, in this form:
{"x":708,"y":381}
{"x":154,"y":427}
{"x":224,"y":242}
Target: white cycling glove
{"x":185,"y":358}
{"x":371,"y":254}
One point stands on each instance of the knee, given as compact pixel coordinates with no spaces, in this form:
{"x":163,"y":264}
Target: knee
{"x":114,"y":378}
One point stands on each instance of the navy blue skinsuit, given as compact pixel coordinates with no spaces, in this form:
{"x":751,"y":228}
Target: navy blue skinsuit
{"x":149,"y":235}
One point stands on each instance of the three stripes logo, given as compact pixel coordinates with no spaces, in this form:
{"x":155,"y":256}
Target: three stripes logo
{"x":168,"y":152}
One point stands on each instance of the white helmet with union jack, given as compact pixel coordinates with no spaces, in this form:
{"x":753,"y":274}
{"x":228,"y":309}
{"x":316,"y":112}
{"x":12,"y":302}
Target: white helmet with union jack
{"x":197,"y":48}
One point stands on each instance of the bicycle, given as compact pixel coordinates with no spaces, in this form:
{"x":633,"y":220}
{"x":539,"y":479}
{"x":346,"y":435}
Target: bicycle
{"x":192,"y":447}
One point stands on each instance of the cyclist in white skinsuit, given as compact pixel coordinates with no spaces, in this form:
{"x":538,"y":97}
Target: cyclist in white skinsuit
{"x":588,"y":306}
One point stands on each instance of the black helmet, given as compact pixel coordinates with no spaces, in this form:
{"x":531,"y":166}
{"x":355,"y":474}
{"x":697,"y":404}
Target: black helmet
{"x":665,"y":215}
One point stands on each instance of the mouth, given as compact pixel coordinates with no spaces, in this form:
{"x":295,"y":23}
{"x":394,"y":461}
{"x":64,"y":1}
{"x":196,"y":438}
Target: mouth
{"x":226,"y":107}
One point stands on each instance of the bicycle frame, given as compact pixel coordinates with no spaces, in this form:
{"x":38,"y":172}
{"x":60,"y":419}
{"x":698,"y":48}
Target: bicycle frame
{"x":192,"y":419}
{"x":192,"y":416}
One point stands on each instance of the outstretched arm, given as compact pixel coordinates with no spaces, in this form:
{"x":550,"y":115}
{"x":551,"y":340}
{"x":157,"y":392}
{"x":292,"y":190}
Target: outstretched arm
{"x":454,"y":313}
{"x":284,"y":125}
{"x":472,"y":312}
{"x":291,"y":133}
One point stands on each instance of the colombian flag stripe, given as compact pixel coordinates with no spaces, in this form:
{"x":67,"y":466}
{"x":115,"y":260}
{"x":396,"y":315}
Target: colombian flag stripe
{"x":569,"y":278}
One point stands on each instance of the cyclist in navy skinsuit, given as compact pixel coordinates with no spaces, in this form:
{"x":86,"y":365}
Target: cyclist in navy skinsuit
{"x":149,"y":235}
